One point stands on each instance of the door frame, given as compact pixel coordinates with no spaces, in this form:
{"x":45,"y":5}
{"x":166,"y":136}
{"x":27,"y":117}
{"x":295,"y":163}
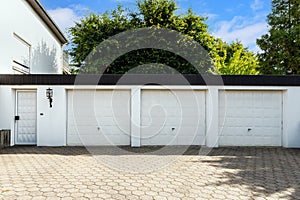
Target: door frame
{"x":16,"y":112}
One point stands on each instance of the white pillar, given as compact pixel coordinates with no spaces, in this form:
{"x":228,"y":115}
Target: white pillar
{"x":136,"y":117}
{"x":212,"y":116}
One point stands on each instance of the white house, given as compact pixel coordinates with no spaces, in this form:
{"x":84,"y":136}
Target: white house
{"x":212,"y":111}
{"x":31,"y":43}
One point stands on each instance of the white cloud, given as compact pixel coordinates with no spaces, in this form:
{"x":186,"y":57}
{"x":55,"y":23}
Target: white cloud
{"x":211,"y":16}
{"x":257,"y":5}
{"x":242,"y":29}
{"x":66,"y":17}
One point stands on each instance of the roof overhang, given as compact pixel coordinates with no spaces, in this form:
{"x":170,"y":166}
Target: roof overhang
{"x":150,"y":79}
{"x":40,"y":10}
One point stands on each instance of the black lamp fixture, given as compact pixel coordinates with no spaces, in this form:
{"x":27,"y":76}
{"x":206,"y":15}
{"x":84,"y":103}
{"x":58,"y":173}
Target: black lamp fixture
{"x":49,"y":95}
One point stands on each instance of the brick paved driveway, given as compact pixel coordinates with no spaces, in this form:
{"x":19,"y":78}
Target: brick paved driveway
{"x":72,"y":173}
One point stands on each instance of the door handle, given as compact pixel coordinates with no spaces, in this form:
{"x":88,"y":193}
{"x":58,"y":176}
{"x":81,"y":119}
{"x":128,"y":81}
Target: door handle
{"x":17,"y":118}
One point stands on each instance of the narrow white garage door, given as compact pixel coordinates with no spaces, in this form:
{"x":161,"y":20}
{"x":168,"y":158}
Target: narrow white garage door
{"x":250,"y":118}
{"x":98,"y":117}
{"x":172,"y":117}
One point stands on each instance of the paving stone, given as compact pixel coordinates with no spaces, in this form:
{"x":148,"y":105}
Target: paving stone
{"x":73,"y":173}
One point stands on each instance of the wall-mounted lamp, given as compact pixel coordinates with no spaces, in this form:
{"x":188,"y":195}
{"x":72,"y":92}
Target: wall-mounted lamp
{"x":49,"y":95}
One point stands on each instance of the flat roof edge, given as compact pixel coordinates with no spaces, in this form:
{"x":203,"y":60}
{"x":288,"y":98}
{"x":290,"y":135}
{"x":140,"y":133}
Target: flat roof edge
{"x":136,"y":79}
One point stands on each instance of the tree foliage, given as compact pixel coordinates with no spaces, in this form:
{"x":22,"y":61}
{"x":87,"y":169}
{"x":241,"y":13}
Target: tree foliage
{"x":234,"y":59}
{"x":95,"y":29}
{"x":281,"y":46}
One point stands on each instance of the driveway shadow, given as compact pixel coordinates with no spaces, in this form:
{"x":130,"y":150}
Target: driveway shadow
{"x":265,"y":171}
{"x":64,"y":151}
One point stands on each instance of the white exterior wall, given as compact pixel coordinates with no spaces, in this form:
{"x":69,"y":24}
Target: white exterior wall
{"x":291,"y":118}
{"x":51,"y":127}
{"x":6,"y":107}
{"x":17,"y":17}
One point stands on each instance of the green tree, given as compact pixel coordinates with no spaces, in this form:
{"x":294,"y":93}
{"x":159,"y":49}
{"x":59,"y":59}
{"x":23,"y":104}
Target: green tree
{"x":281,"y":46}
{"x":94,"y":29}
{"x":234,"y":59}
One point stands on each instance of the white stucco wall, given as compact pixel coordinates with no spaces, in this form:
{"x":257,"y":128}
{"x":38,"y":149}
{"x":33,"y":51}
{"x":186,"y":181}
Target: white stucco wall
{"x":6,"y":107}
{"x":51,"y":122}
{"x":52,"y":125}
{"x":291,"y":109}
{"x":17,"y":17}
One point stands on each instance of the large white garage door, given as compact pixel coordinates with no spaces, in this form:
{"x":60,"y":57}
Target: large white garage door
{"x":172,"y":117}
{"x":98,"y":117}
{"x":250,"y":118}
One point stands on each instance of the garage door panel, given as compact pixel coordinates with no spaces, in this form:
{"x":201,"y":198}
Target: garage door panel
{"x":271,"y":122}
{"x":271,"y":112}
{"x":159,"y":140}
{"x":191,"y":131}
{"x":268,"y":132}
{"x":171,"y":117}
{"x":156,"y":122}
{"x":97,"y":140}
{"x":250,"y":118}
{"x":237,"y":122}
{"x":116,"y":110}
{"x":85,"y":120}
{"x":74,"y":140}
{"x":112,"y":121}
{"x":98,"y":117}
{"x":113,"y":130}
{"x":193,"y":121}
{"x":155,"y":110}
{"x":193,"y":112}
{"x":171,"y":130}
{"x":261,"y":122}
{"x":172,"y":121}
{"x":104,"y":130}
{"x":84,"y":130}
{"x":185,"y":139}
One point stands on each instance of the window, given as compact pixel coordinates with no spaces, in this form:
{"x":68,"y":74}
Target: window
{"x":21,"y":59}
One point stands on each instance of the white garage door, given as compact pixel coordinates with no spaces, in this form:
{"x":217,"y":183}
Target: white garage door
{"x":172,"y":117}
{"x":98,"y":117}
{"x":250,"y":118}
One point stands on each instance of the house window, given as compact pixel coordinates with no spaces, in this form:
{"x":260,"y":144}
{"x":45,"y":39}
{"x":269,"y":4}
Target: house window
{"x":21,"y":59}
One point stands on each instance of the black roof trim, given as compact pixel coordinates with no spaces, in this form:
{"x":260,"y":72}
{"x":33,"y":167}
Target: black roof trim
{"x":115,"y":79}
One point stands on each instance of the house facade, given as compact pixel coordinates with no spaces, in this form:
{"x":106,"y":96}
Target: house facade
{"x":215,"y":111}
{"x":31,"y":43}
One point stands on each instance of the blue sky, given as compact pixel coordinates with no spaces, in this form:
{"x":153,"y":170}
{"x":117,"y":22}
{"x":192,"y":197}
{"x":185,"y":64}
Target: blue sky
{"x":243,"y":20}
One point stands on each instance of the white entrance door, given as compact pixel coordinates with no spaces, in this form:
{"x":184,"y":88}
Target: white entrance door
{"x":250,"y":118}
{"x":25,"y":119}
